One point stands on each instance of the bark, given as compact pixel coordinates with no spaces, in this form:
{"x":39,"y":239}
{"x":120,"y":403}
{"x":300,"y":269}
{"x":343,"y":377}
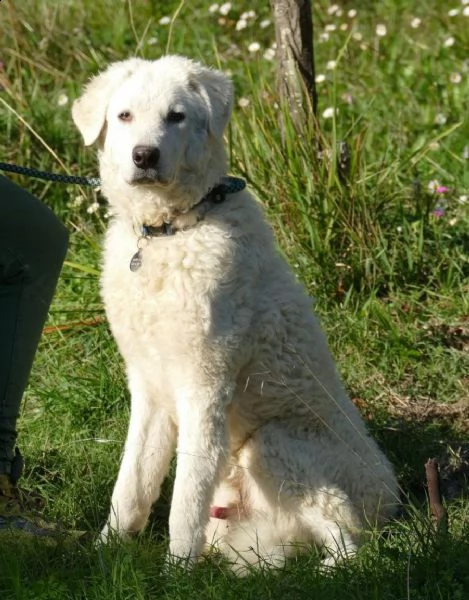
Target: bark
{"x":295,"y":52}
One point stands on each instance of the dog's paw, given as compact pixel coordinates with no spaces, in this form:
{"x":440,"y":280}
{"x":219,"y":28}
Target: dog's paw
{"x":334,"y":556}
{"x":182,"y":554}
{"x":173,"y":562}
{"x":109,"y":535}
{"x":104,"y":537}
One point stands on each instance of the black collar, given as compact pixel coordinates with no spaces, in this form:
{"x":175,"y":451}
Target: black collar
{"x":217,"y":195}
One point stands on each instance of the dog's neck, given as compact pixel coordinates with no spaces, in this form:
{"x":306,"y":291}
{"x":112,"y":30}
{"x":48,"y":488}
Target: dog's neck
{"x":186,"y":220}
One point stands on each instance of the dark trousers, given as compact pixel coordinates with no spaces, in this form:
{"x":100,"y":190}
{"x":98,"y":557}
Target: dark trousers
{"x":33,"y":244}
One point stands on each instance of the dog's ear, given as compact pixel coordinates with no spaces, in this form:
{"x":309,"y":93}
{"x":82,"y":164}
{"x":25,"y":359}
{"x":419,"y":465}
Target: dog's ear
{"x":89,"y":110}
{"x":217,"y":90}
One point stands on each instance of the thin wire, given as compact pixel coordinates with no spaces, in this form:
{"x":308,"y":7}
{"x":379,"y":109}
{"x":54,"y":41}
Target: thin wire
{"x":34,"y":132}
{"x":229,"y":464}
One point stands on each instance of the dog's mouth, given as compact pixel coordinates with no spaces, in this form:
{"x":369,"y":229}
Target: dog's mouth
{"x":149,"y":177}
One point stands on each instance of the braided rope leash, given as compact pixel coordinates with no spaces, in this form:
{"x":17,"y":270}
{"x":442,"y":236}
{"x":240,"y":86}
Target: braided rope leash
{"x":76,"y":179}
{"x":231,"y":184}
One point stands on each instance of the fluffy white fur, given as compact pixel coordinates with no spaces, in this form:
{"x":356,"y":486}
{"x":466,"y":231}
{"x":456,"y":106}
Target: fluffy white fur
{"x":227,"y":364}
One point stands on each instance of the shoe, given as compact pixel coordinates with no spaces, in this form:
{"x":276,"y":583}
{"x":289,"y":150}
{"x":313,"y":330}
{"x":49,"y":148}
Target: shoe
{"x":15,"y":517}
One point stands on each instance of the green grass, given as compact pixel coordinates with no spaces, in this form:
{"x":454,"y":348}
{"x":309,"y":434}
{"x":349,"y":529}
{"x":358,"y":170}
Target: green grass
{"x":390,"y":277}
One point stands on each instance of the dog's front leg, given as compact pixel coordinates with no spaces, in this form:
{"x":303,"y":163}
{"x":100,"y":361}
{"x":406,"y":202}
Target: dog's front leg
{"x":149,"y":447}
{"x":201,"y":455}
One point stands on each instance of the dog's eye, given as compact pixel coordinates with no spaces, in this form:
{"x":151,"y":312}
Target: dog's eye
{"x":125,"y":115}
{"x":175,"y":117}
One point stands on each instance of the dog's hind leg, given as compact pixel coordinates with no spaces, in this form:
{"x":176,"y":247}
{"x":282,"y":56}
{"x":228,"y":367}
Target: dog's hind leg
{"x":299,"y":474}
{"x":147,"y":454}
{"x":284,"y":479}
{"x":334,"y":541}
{"x":259,"y":526}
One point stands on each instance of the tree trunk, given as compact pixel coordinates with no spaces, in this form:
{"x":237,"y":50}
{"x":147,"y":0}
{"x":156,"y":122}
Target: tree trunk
{"x":296,"y":77}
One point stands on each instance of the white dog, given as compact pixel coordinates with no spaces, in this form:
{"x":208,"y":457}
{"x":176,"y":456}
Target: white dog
{"x":226,"y":363}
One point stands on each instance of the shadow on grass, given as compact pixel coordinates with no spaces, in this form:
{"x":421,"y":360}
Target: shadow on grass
{"x":410,"y":438}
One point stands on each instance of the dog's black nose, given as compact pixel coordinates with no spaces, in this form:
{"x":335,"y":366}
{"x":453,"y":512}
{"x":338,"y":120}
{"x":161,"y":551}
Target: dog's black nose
{"x":146,"y":157}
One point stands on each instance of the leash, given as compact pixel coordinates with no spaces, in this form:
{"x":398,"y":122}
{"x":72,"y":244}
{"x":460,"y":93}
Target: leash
{"x":76,"y":179}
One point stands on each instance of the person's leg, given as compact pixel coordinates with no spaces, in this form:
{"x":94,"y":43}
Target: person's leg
{"x":33,"y":243}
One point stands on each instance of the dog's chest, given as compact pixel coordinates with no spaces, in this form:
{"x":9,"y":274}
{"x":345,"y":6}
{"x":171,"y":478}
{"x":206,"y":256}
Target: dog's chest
{"x":164,"y":309}
{"x":163,"y":285}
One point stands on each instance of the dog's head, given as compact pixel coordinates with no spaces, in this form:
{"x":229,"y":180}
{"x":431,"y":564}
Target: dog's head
{"x":159,"y":124}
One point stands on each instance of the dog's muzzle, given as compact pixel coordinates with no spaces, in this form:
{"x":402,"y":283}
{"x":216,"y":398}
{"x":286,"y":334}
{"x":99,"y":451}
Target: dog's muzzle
{"x":146,"y":159}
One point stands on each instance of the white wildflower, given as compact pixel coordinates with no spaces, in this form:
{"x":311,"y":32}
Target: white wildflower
{"x":152,"y":41}
{"x":330,"y":27}
{"x":463,"y":199}
{"x":333,"y":9}
{"x":464,"y":2}
{"x":331,"y":65}
{"x":62,"y":100}
{"x":449,"y":42}
{"x":165,"y":20}
{"x":213,"y":8}
{"x":264,"y":23}
{"x":381,"y":30}
{"x":344,"y":27}
{"x":225,"y":8}
{"x":465,"y":153}
{"x":352,"y":13}
{"x":440,"y":119}
{"x":433,"y":185}
{"x":453,"y":12}
{"x":465,"y":12}
{"x":329,"y":113}
{"x":78,"y":201}
{"x":243,"y":102}
{"x":269,"y":54}
{"x":357,"y":36}
{"x":254,"y":47}
{"x":415,"y":23}
{"x":92,"y":208}
{"x":455,"y":78}
{"x":241,"y":24}
{"x":324,"y":36}
{"x":320,"y":78}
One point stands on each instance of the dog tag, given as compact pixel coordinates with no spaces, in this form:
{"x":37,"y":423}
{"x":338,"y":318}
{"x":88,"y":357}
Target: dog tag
{"x":136,"y":261}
